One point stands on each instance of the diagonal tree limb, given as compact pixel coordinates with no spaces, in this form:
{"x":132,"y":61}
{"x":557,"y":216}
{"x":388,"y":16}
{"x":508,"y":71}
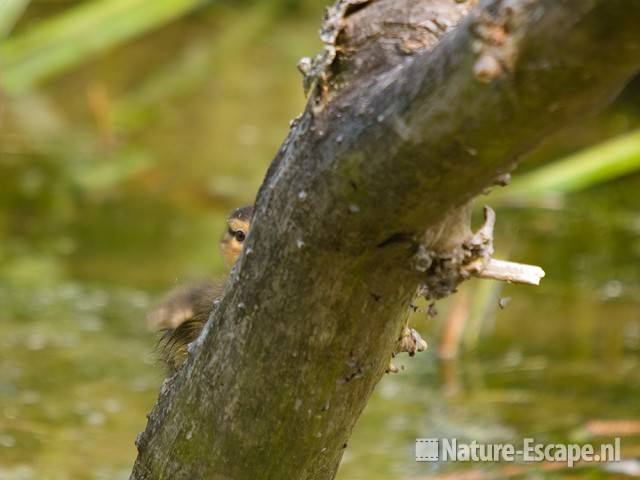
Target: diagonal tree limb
{"x":400,"y":134}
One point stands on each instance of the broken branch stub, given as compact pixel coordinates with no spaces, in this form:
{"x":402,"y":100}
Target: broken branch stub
{"x":443,"y":271}
{"x":511,"y":272}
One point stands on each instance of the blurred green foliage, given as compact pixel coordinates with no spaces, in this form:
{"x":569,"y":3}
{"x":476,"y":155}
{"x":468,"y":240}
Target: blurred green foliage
{"x":130,"y":128}
{"x":10,"y":13}
{"x":79,"y":33}
{"x":595,"y":165}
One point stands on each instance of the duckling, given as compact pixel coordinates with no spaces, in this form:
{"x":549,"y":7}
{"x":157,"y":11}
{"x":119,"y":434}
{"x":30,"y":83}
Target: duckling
{"x":181,"y":316}
{"x":184,"y":312}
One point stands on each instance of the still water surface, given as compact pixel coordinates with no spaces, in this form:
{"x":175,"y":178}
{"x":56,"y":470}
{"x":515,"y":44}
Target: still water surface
{"x":85,"y":250}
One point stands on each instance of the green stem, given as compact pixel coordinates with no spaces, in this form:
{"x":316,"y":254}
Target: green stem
{"x":10,"y":13}
{"x":601,"y":163}
{"x":80,"y":33}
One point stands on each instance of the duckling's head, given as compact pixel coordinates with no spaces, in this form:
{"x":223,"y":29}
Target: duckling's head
{"x":237,"y":230}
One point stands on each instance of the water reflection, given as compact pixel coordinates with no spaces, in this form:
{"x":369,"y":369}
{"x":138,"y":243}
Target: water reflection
{"x":98,"y":219}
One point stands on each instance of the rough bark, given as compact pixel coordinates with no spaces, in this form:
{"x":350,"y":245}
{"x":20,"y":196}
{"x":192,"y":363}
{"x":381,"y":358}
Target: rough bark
{"x":408,"y":120}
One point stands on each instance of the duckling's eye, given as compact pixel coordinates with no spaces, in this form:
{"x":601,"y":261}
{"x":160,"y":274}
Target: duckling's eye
{"x":239,"y":235}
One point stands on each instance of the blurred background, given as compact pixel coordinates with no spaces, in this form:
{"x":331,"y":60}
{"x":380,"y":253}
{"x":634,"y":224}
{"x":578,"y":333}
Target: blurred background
{"x":129,"y":129}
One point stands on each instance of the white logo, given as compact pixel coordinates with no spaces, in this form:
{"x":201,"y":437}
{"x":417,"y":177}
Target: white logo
{"x":450,"y":450}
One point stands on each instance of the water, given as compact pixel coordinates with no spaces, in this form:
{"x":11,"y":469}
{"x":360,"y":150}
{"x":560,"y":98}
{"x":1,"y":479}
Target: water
{"x":99,"y":218}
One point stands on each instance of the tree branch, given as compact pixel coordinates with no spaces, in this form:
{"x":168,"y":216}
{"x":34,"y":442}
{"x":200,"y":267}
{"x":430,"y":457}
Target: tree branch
{"x":511,"y":272}
{"x":409,"y":119}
